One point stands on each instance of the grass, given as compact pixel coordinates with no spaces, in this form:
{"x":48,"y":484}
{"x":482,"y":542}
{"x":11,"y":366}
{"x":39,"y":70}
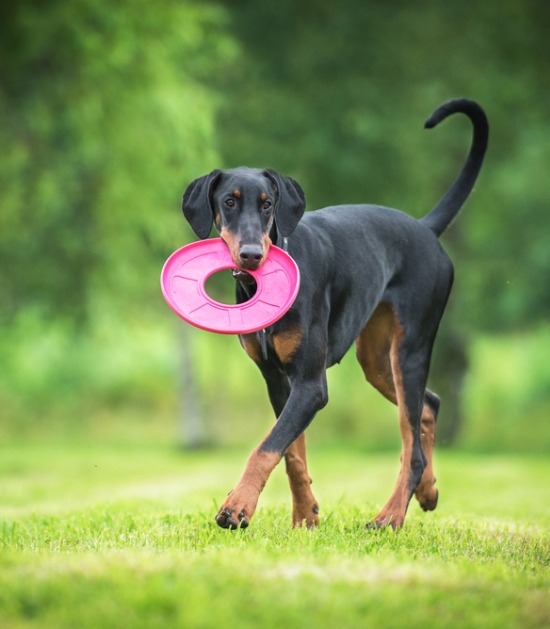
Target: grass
{"x":105,"y":536}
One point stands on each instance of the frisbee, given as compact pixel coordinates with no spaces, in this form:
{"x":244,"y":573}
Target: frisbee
{"x":184,"y":275}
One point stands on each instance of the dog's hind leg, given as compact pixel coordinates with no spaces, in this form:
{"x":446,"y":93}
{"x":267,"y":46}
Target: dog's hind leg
{"x":426,"y":493}
{"x":399,"y":373}
{"x":304,"y":506}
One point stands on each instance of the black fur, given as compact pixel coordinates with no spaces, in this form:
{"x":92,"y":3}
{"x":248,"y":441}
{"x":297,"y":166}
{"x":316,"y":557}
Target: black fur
{"x":367,"y":272}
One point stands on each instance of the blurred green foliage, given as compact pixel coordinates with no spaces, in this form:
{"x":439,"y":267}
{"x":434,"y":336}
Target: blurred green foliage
{"x":109,"y":110}
{"x":105,"y":113}
{"x":336,"y":94}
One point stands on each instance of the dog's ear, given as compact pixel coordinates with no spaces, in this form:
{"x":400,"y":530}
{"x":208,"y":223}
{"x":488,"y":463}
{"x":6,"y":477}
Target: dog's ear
{"x":291,"y":202}
{"x":197,"y":203}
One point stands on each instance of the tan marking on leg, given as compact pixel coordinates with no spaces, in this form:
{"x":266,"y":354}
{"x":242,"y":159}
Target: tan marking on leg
{"x":378,"y":353}
{"x":393,"y":512}
{"x":251,"y":346}
{"x":426,"y":493}
{"x":373,"y":350}
{"x":240,"y":504}
{"x":287,"y":342}
{"x":378,"y":347}
{"x":304,"y":506}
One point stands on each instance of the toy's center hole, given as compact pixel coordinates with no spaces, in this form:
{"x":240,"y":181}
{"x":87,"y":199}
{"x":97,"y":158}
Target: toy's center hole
{"x":220,"y":286}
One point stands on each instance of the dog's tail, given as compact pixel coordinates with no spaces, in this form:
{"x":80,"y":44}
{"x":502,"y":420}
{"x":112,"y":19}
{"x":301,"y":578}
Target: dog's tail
{"x":449,"y":205}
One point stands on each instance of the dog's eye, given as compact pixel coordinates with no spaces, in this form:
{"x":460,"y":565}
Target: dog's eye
{"x":230,"y":202}
{"x":266,"y":205}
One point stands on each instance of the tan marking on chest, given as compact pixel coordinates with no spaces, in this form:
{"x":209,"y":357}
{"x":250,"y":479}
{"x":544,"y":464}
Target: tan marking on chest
{"x":251,"y":346}
{"x":286,"y":343}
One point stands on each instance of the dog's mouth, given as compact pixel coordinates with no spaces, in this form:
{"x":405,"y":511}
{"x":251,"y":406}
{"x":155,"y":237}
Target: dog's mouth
{"x":244,"y":278}
{"x":246,"y":256}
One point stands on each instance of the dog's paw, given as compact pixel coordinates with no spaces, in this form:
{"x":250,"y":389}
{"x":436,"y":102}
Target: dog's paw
{"x":384,"y":520}
{"x":238,"y":508}
{"x":306,"y":515}
{"x":227,"y":520}
{"x":427,"y":497}
{"x":429,"y":503}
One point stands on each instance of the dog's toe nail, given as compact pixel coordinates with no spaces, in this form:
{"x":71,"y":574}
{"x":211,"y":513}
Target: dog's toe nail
{"x":243,"y":520}
{"x":224,"y":520}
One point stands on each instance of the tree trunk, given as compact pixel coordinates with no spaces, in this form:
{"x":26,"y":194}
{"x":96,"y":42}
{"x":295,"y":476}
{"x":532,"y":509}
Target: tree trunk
{"x":191,"y":425}
{"x":447,"y":375}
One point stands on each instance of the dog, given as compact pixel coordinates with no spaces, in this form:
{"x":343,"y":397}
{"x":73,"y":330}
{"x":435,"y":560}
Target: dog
{"x":370,"y":275}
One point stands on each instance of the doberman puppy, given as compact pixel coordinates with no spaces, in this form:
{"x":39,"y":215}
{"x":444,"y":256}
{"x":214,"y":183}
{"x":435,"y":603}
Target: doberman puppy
{"x":369,"y":275}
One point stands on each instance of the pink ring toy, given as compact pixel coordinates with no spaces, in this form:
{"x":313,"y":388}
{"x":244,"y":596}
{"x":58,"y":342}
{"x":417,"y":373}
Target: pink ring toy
{"x":184,"y":275}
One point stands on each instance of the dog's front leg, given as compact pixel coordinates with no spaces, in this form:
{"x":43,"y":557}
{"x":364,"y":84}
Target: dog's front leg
{"x":240,"y":504}
{"x":306,"y":398}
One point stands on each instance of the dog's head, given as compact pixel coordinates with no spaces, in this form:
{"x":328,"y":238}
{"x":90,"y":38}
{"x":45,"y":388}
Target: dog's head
{"x":245,"y":205}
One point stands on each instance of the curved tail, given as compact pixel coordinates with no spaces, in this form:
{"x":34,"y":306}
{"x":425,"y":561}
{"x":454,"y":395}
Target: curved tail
{"x":449,"y":205}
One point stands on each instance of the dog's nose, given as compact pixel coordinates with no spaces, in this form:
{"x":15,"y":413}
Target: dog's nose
{"x":251,"y":256}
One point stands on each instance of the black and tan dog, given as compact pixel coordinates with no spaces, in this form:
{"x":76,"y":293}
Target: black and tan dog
{"x":369,"y":275}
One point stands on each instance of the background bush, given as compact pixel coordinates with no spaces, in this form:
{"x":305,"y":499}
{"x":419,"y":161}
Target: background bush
{"x":109,"y":111}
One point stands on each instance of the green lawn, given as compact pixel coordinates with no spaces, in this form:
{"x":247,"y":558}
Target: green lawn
{"x":105,"y":536}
